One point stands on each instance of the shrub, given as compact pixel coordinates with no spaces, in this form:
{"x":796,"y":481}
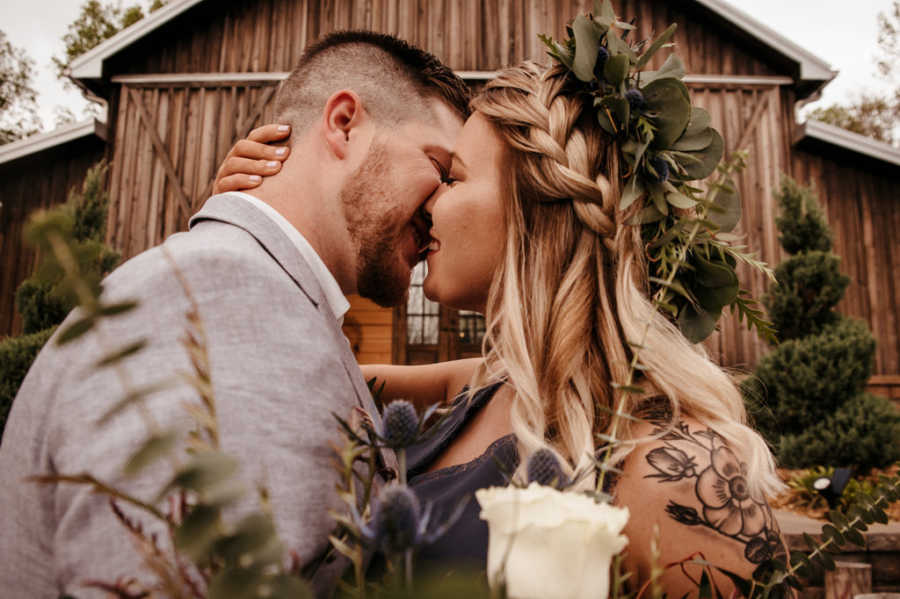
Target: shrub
{"x":863,"y":433}
{"x":16,"y":356}
{"x":805,"y":380}
{"x":809,"y":286}
{"x":44,"y":299}
{"x":806,"y":397}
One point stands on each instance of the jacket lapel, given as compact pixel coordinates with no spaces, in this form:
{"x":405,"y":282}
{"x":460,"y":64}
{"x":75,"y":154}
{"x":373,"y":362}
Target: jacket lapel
{"x":240,"y":213}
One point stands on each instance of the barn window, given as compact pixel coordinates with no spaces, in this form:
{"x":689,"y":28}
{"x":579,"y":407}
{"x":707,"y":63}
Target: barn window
{"x":427,"y":332}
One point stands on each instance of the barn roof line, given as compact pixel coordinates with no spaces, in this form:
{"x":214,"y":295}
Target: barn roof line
{"x":812,"y":69}
{"x":854,"y":142}
{"x":44,"y":141}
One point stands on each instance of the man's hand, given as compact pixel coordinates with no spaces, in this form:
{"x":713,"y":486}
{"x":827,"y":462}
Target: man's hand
{"x":252,"y":159}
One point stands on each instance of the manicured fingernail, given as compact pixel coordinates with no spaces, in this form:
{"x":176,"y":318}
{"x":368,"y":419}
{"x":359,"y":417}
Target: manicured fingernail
{"x":272,"y":163}
{"x":280,"y":151}
{"x":255,"y":178}
{"x":284,"y":127}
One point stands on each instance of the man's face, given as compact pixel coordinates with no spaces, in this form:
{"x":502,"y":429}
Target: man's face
{"x":382,"y":201}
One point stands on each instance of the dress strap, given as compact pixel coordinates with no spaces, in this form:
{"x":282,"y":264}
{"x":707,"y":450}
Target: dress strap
{"x":420,"y":456}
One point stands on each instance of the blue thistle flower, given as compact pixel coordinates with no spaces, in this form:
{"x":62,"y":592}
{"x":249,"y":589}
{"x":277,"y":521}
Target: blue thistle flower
{"x":635,"y":98}
{"x":543,"y":468}
{"x":400,"y":424}
{"x":395,"y":523}
{"x":658,"y":164}
{"x":602,"y":57}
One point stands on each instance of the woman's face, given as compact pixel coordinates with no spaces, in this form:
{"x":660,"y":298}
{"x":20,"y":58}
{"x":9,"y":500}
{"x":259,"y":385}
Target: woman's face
{"x":468,"y":229}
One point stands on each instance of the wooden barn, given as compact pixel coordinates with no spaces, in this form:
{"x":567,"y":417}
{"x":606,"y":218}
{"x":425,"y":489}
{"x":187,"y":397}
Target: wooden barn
{"x":187,"y":81}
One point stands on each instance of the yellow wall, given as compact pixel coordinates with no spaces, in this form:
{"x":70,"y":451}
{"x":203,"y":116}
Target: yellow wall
{"x":370,"y":330}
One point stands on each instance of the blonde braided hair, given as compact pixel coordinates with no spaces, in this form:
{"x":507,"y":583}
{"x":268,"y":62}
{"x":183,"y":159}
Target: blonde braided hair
{"x":572,"y":289}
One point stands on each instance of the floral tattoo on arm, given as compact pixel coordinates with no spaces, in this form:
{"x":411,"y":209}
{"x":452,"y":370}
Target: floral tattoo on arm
{"x":727,"y":505}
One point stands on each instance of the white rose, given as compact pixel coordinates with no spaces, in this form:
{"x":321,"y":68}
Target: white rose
{"x":550,"y":544}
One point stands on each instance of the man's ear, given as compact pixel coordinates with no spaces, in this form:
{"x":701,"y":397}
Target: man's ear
{"x":343,"y":113}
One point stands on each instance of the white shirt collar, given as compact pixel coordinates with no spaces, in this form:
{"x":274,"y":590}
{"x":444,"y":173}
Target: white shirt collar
{"x":333,"y":294}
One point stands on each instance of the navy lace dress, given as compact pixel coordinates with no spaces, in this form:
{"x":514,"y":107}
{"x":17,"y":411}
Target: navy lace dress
{"x":465,"y":544}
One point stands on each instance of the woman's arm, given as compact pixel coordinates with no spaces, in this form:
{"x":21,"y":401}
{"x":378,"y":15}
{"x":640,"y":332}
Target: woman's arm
{"x":422,"y":385}
{"x":690,"y":487}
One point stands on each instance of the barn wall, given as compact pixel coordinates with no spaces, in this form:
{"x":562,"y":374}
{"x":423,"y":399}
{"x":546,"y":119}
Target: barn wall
{"x":170,"y":138}
{"x":862,"y":203}
{"x":270,"y":35}
{"x":32,"y":183}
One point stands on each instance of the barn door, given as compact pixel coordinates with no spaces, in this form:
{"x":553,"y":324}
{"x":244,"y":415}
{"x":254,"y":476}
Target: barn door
{"x":169,"y":140}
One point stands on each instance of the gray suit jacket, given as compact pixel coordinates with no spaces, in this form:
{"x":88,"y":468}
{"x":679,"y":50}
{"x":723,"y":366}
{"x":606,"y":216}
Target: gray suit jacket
{"x":280,"y":367}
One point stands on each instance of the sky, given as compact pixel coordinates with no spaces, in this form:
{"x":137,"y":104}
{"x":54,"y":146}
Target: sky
{"x":841,"y":33}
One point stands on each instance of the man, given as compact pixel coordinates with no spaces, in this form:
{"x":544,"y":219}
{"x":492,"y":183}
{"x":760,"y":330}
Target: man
{"x":373,"y":121}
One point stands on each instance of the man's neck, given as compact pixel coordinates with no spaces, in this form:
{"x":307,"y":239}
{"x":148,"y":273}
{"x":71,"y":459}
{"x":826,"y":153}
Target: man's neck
{"x":309,"y":214}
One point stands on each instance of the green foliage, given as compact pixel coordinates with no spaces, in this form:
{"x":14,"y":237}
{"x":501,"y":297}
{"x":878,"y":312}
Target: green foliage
{"x":801,"y":223}
{"x":18,"y":98}
{"x":802,"y":381}
{"x":16,"y":356}
{"x":45,"y":298}
{"x":806,"y":396}
{"x":809,"y":286}
{"x":96,"y":23}
{"x":666,"y":145}
{"x":864,"y":433}
{"x":872,"y":114}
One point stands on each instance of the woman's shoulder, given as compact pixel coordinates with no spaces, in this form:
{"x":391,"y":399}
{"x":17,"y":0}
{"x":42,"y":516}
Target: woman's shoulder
{"x":689,"y":487}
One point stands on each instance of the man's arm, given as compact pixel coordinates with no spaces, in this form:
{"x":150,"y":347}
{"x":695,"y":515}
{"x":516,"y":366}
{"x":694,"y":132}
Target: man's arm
{"x":276,"y":383}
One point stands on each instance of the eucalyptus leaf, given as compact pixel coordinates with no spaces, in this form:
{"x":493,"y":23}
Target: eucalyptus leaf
{"x":76,"y":330}
{"x":646,"y":216}
{"x":617,"y":46}
{"x":256,"y":537}
{"x":154,"y":448}
{"x":604,"y":8}
{"x":200,"y":529}
{"x":679,"y":200}
{"x":655,"y":46}
{"x":672,"y":68}
{"x":615,"y":70}
{"x":587,"y":41}
{"x":212,"y":475}
{"x":619,"y":108}
{"x":700,"y":120}
{"x":121,"y":354}
{"x":632,"y":192}
{"x":694,"y":143}
{"x":699,"y":165}
{"x":696,"y":324}
{"x":716,"y":285}
{"x":605,"y":118}
{"x":658,"y":197}
{"x":557,"y":51}
{"x":725,"y":212}
{"x":669,"y":100}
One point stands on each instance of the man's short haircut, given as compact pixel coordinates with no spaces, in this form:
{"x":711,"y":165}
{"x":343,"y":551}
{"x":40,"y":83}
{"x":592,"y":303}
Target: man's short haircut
{"x":393,"y":78}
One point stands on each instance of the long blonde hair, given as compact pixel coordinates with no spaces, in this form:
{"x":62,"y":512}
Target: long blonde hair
{"x":571,"y":295}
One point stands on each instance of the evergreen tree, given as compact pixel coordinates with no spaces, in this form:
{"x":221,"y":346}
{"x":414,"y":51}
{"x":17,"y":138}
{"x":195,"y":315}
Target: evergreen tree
{"x":808,"y":396}
{"x":44,"y":299}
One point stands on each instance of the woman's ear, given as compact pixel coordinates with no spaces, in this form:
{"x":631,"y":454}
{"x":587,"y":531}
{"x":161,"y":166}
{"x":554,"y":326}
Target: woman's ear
{"x":343,"y":113}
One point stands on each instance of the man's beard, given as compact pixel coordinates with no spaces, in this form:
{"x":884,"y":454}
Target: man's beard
{"x":376,"y":226}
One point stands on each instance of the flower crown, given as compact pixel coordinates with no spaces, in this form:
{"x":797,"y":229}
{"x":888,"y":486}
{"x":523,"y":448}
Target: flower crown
{"x":666,"y":144}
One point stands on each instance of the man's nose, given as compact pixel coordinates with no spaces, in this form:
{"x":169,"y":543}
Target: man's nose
{"x":432,"y":199}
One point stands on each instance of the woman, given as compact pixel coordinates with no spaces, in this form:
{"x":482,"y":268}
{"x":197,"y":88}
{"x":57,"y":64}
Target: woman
{"x":526,"y":231}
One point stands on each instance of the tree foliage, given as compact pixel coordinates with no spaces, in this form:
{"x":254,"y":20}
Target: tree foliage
{"x":874,"y":115}
{"x":96,"y":23}
{"x":43,"y":299}
{"x":18,"y":99}
{"x":808,"y":396}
